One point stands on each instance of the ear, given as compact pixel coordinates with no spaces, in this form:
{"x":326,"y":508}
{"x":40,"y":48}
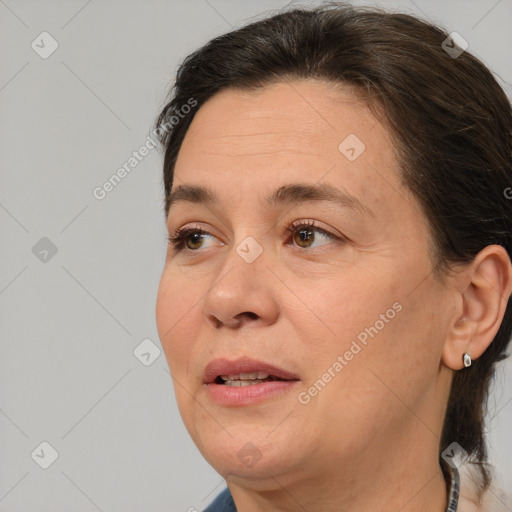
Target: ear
{"x":484,"y":288}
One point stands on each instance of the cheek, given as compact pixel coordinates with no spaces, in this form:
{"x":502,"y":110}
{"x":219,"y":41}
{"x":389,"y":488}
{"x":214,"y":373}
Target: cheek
{"x":178,"y":330}
{"x":175,"y":308}
{"x":389,"y":338}
{"x":384,"y":379}
{"x":400,"y":364}
{"x":352,"y":302}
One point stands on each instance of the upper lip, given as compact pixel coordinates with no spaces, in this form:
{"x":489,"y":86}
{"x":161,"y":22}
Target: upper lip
{"x":224,"y":366}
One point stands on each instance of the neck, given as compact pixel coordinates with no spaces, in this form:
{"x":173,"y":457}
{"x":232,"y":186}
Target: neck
{"x":405,"y":477}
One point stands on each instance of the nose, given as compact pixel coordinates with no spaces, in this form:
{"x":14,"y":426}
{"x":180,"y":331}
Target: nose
{"x":243,"y":293}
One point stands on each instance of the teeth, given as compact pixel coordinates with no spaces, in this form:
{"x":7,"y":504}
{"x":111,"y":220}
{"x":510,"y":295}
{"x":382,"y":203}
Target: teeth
{"x":246,"y":376}
{"x":241,"y":383}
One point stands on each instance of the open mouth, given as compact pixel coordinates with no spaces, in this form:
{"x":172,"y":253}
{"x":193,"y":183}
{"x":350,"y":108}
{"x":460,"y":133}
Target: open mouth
{"x":245,"y":379}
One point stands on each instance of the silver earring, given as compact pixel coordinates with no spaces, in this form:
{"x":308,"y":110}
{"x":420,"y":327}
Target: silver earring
{"x":467,"y":360}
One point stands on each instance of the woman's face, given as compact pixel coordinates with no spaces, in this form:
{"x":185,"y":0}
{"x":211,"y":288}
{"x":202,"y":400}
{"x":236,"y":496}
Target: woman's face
{"x":347,"y":310}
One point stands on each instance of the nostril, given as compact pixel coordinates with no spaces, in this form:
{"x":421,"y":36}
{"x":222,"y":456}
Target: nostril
{"x":242,"y":318}
{"x":234,"y":322}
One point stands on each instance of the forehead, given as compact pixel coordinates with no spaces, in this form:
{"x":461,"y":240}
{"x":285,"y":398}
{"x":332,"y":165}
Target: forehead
{"x":310,"y":131}
{"x":303,"y":117}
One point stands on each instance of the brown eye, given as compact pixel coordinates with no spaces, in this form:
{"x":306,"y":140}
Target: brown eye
{"x":191,"y":238}
{"x":303,"y":237}
{"x":305,"y":234}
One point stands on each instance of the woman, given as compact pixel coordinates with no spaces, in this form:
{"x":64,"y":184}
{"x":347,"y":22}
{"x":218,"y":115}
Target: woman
{"x":336,"y":291}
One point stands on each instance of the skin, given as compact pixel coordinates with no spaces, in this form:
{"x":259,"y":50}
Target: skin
{"x":369,"y":440}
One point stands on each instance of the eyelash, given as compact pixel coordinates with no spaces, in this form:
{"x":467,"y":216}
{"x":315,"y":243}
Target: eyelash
{"x":177,"y":240}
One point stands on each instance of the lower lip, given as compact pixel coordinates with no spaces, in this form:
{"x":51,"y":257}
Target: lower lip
{"x":247,"y":395}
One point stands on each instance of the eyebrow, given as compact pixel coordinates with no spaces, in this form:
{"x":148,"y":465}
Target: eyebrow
{"x":292,"y":193}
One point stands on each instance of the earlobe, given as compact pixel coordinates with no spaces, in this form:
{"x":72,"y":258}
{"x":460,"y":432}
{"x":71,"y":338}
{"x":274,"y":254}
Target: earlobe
{"x":485,"y":285}
{"x":457,"y":344}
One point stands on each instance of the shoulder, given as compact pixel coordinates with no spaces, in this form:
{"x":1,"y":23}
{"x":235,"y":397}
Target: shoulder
{"x":471,"y":497}
{"x":222,"y":503}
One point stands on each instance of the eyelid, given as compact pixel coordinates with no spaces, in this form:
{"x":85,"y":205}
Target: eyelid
{"x":302,"y":223}
{"x":177,"y":240}
{"x":180,"y":234}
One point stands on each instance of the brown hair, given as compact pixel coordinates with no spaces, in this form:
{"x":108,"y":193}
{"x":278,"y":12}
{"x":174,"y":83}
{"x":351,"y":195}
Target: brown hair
{"x":450,"y":119}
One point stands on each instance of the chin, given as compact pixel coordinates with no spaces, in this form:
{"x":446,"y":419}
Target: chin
{"x":238,"y":456}
{"x":255,"y":458}
{"x":257,"y":476}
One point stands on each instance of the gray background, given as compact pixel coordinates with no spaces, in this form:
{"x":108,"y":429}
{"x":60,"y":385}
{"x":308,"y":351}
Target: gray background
{"x":70,"y":323}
